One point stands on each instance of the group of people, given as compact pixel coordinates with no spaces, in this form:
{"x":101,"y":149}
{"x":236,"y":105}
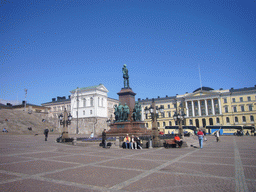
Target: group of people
{"x":5,"y":130}
{"x":201,"y":137}
{"x":132,"y":142}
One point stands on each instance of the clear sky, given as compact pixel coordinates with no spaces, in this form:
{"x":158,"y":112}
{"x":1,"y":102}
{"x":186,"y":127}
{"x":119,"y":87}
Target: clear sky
{"x":52,"y":47}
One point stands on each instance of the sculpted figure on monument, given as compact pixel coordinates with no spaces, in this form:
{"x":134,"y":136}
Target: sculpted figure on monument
{"x":126,"y":112}
{"x":126,"y":77}
{"x":120,"y":112}
{"x":134,"y":115}
{"x":137,"y":112}
{"x":116,"y":113}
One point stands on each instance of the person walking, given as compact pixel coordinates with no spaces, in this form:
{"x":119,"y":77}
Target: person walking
{"x":104,"y":137}
{"x":46,"y":131}
{"x":217,"y":135}
{"x":200,"y":135}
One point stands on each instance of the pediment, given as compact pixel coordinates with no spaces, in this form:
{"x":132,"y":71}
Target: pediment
{"x":202,"y":94}
{"x":102,"y":88}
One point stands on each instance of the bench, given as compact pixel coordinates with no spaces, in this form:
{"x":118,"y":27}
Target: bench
{"x":170,"y":143}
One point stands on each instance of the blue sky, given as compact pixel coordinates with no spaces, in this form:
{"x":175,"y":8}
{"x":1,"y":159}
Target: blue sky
{"x":52,"y":47}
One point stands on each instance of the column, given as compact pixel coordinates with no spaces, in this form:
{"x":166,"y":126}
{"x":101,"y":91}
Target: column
{"x":199,"y":108}
{"x":206,"y":107}
{"x":142,"y":113}
{"x":187,"y":109}
{"x":213,"y":108}
{"x":220,"y":106}
{"x":193,"y":109}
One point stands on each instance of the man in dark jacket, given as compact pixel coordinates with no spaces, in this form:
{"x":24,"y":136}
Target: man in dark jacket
{"x":46,"y":134}
{"x":104,"y":136}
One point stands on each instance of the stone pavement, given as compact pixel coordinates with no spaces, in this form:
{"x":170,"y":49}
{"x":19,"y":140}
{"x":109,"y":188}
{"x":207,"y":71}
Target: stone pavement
{"x":28,"y":163}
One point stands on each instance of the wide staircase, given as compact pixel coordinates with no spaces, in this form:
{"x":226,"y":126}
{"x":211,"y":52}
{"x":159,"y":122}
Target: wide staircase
{"x":18,"y":122}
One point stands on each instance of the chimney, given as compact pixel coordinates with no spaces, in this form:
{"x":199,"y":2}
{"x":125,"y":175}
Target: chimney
{"x":53,"y":99}
{"x":138,"y":99}
{"x":23,"y":102}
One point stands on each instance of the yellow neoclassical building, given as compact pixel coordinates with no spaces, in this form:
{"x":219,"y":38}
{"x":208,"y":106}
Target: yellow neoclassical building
{"x":207,"y":108}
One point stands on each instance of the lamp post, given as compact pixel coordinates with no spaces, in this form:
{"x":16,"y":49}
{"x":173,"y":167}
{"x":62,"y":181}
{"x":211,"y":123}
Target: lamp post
{"x":154,"y":111}
{"x":179,"y":117}
{"x":65,"y":120}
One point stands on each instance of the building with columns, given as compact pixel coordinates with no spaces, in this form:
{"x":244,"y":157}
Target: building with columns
{"x":206,"y":107}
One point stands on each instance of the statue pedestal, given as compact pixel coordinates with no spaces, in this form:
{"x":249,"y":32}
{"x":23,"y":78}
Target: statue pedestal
{"x":132,"y":128}
{"x":126,"y":95}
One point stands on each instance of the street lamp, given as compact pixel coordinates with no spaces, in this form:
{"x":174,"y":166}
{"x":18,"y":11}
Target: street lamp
{"x":179,"y":116}
{"x":65,"y":120}
{"x":153,"y":110}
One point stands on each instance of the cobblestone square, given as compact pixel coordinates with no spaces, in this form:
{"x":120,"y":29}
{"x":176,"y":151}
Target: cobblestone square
{"x":28,"y":163}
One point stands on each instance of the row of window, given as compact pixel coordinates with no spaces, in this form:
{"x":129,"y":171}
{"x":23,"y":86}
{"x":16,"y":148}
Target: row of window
{"x":210,"y":121}
{"x":250,"y":108}
{"x":241,"y":99}
{"x":60,"y":108}
{"x":169,"y":114}
{"x":100,"y":102}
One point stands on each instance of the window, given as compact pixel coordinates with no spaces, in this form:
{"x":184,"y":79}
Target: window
{"x":176,"y":122}
{"x":83,"y":112}
{"x":202,"y":103}
{"x":102,"y":102}
{"x":98,"y":101}
{"x":235,"y":110}
{"x":227,"y":119}
{"x":244,"y":119}
{"x":226,"y":109}
{"x":169,"y":106}
{"x":175,"y":105}
{"x":196,"y":108}
{"x":233,"y":100}
{"x":162,"y":106}
{"x":218,"y":120}
{"x":146,"y":124}
{"x":163,"y":115}
{"x":236,"y":120}
{"x":158,"y":124}
{"x":249,"y":98}
{"x":190,"y":109}
{"x":91,"y":101}
{"x":169,"y":114}
{"x":225,"y":100}
{"x":250,"y":107}
{"x":241,"y":99}
{"x":163,"y":124}
{"x":146,"y":116}
{"x":91,"y":112}
{"x":251,"y":118}
{"x":242,"y":108}
{"x":84,"y":102}
{"x":170,"y":123}
{"x":191,"y":122}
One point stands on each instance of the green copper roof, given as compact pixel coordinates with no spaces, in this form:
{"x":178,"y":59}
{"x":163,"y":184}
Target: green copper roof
{"x":86,"y":88}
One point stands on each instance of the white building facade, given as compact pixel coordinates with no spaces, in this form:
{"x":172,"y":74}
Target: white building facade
{"x":90,"y":109}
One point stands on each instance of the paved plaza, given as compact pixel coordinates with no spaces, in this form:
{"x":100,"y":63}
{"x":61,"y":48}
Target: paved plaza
{"x":28,"y":163}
